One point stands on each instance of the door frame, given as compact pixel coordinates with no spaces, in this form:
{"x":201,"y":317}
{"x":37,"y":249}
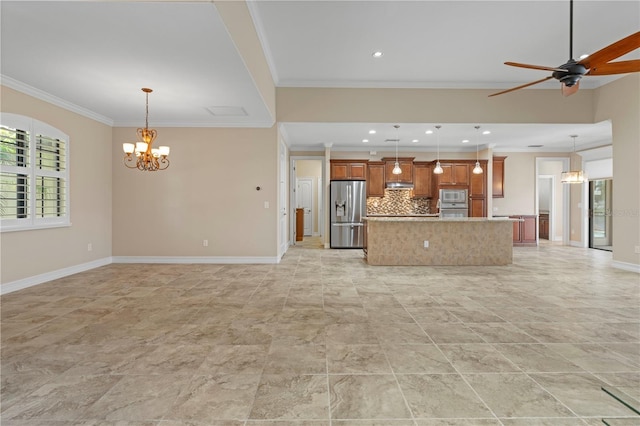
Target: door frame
{"x":566,"y":202}
{"x":292,"y":193}
{"x":311,"y":180}
{"x":552,"y":206}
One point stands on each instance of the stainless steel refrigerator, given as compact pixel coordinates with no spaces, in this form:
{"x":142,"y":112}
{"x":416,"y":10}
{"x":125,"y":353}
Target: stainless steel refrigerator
{"x":348,"y":206}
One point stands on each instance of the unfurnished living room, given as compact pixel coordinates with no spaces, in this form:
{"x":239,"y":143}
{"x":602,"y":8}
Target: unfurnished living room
{"x":172,"y":249}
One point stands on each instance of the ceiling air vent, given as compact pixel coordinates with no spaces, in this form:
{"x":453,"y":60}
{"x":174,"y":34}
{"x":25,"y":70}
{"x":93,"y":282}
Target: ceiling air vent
{"x":227,"y":111}
{"x":535,"y":146}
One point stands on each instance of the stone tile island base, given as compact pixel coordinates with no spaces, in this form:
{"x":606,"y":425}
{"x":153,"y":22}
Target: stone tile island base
{"x":455,"y":241}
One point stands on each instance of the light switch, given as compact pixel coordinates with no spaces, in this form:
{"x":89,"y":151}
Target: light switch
{"x":266,"y":204}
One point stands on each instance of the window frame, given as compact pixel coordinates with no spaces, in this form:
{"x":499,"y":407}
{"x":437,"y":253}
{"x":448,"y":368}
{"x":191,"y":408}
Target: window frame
{"x":34,"y":174}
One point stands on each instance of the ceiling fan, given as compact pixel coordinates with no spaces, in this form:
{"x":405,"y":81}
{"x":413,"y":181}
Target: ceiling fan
{"x":598,"y":63}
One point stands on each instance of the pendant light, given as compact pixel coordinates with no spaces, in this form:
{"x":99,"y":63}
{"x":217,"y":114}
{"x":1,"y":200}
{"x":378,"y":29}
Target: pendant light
{"x":477,"y":170}
{"x":438,"y":168}
{"x":573,"y":176}
{"x":396,"y":168}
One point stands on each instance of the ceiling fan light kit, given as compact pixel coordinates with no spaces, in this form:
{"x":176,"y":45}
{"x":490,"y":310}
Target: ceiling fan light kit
{"x":598,"y":63}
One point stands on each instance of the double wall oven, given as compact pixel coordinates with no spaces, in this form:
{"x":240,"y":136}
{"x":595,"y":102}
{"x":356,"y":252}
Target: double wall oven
{"x":453,"y":203}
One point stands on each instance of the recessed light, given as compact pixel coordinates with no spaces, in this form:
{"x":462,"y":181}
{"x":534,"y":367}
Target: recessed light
{"x":428,"y":132}
{"x":486,"y":132}
{"x":376,"y":54}
{"x":415,"y":141}
{"x":372,"y":132}
{"x":365,"y":140}
{"x":465,"y":141}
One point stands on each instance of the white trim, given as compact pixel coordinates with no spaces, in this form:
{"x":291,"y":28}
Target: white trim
{"x":54,"y":100}
{"x":53,"y":275}
{"x":578,"y":244}
{"x":196,"y":259}
{"x":632,"y":267}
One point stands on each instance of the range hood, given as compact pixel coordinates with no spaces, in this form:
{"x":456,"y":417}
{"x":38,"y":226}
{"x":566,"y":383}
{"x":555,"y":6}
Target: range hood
{"x":399,"y":185}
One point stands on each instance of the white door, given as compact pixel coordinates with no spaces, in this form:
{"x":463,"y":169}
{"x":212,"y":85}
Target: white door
{"x":305,"y":201}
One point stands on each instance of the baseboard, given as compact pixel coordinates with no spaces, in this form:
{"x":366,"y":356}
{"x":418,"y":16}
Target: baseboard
{"x":195,"y":259}
{"x":633,"y":267}
{"x":576,"y":244}
{"x":53,"y":275}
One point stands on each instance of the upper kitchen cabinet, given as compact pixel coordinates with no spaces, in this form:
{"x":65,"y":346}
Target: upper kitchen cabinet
{"x":406,"y":165}
{"x":375,"y":179}
{"x":454,"y":174}
{"x":422,"y":182}
{"x":348,"y":169}
{"x":477,"y":183}
{"x":498,"y":177}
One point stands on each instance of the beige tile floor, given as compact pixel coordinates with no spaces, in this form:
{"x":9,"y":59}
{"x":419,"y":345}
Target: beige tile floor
{"x":324,"y":339}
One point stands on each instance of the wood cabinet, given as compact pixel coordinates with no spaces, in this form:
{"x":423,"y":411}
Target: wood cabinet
{"x":478,"y":191}
{"x":349,"y":169}
{"x":406,"y":164}
{"x":477,"y":183}
{"x":543,"y":233}
{"x":422,"y":179}
{"x":299,"y":224}
{"x":375,"y":179}
{"x":498,"y":177}
{"x":525,"y":230}
{"x":478,"y":207}
{"x":454,"y":174}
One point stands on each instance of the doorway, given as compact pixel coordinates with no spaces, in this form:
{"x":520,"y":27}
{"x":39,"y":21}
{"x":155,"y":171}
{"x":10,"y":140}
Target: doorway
{"x":600,"y":207}
{"x":305,"y":196}
{"x":307,"y":192}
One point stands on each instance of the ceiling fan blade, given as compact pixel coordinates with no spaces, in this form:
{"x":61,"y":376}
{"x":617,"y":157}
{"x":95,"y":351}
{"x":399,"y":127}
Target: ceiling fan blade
{"x":534,"y":67}
{"x":613,"y":51}
{"x":620,"y":67}
{"x":522,"y":87}
{"x":568,"y":91}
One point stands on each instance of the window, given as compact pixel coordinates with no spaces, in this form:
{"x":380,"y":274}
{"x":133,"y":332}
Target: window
{"x":34,"y":174}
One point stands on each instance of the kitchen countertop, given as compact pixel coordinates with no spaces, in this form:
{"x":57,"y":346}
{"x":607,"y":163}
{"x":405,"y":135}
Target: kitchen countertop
{"x":436,"y":218}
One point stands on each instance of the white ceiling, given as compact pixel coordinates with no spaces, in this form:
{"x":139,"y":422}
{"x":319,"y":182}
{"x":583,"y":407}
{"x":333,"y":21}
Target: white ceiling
{"x":93,"y":57}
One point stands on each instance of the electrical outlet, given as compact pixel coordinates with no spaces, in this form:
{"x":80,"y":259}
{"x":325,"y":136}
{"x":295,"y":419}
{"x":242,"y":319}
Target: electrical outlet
{"x":637,"y":249}
{"x":205,"y":243}
{"x":89,"y":247}
{"x":426,"y":244}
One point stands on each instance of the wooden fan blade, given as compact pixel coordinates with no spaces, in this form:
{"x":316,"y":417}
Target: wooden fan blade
{"x":568,"y":91}
{"x":535,"y":67}
{"x":620,"y":67}
{"x":522,"y":87}
{"x":613,"y":51}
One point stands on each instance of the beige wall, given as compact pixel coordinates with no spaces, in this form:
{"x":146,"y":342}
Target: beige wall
{"x":620,"y":102}
{"x":208,"y":192}
{"x":27,"y":254}
{"x":519,"y":185}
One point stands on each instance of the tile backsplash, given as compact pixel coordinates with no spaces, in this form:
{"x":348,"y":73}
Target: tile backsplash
{"x":398,"y":202}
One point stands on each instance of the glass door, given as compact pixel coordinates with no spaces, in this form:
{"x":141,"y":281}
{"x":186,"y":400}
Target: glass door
{"x":600,"y":206}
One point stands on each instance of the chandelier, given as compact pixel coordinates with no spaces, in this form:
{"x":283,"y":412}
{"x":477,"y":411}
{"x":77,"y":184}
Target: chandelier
{"x":573,"y":176}
{"x":146,"y":157}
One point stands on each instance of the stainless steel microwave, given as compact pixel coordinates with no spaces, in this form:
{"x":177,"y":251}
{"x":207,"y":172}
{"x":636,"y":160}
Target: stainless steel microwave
{"x":453,"y":196}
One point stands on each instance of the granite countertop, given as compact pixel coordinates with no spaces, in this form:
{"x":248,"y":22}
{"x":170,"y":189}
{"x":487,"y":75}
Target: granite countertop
{"x":405,"y":215}
{"x":434,"y":218}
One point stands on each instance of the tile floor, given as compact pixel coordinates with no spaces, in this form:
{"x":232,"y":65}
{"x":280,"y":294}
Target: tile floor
{"x":324,"y":339}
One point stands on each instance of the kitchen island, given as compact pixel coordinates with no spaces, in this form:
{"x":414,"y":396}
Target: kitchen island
{"x":401,"y":240}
